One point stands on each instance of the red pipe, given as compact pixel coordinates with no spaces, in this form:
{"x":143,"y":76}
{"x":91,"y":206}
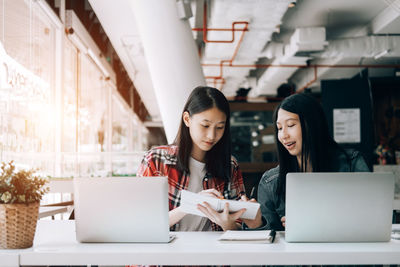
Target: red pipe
{"x":301,"y":66}
{"x":218,"y":29}
{"x":220,"y":79}
{"x":310,"y":82}
{"x":217,"y":80}
{"x":315,"y":66}
{"x":205,"y":40}
{"x":229,"y":61}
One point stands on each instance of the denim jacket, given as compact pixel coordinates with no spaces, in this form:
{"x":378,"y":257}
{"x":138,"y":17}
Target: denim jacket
{"x":273,"y":207}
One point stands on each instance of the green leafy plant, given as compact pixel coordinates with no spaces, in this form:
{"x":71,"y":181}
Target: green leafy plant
{"x":20,"y":186}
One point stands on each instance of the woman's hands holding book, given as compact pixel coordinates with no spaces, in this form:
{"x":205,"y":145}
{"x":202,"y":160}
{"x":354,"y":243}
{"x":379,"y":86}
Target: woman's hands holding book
{"x":257,"y":221}
{"x":224,"y":219}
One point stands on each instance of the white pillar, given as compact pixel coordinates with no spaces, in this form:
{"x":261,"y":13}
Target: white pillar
{"x":171,"y":55}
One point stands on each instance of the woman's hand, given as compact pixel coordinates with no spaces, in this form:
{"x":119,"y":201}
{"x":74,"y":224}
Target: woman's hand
{"x":224,"y":219}
{"x":257,"y":221}
{"x":175,"y":216}
{"x":283,"y":220}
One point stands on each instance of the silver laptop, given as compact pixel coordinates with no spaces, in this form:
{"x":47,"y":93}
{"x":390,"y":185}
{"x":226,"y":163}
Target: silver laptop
{"x":339,"y":207}
{"x":121,"y":209}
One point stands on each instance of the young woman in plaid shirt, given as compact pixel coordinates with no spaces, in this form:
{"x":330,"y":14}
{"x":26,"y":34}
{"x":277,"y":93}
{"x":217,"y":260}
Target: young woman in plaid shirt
{"x":199,"y":161}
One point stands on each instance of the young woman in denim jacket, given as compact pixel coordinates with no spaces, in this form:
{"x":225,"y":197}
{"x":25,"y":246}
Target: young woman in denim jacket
{"x":304,"y":145}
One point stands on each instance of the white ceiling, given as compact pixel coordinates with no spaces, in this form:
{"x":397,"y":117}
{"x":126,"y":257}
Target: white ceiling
{"x":271,"y":24}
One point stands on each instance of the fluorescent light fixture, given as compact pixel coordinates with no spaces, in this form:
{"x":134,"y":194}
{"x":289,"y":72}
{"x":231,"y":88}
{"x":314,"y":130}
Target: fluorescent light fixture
{"x":381,"y":54}
{"x":98,"y":63}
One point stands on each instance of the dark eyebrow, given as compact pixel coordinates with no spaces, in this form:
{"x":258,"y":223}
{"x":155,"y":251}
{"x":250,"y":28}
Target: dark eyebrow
{"x":290,"y":119}
{"x":211,"y":121}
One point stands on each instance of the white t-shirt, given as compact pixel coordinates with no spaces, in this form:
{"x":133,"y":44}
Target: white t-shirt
{"x":193,"y":222}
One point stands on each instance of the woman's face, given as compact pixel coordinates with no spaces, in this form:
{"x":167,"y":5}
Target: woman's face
{"x":206,"y":129}
{"x":289,"y":131}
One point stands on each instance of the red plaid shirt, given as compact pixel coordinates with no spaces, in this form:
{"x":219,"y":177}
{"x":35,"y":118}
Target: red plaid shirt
{"x":162,"y":160}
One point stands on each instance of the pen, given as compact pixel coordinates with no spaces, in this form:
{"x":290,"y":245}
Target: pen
{"x":253,"y":192}
{"x":272,"y":234}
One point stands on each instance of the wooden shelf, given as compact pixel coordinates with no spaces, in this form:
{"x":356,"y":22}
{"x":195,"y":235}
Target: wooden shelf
{"x":252,"y":167}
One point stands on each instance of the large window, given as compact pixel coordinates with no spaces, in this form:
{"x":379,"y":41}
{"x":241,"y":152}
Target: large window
{"x":120,"y":125}
{"x":58,"y":112}
{"x":27,"y":86}
{"x":92,"y":107}
{"x":69,"y":98}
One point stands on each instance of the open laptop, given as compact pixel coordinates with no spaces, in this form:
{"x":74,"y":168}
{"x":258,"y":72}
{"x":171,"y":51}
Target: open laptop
{"x":339,"y":207}
{"x":121,"y":209}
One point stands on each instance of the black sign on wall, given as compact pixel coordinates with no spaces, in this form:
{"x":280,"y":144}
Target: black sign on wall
{"x":351,"y":97}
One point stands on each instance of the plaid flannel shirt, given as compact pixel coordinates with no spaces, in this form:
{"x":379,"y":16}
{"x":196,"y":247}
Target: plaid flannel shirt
{"x":162,"y":161}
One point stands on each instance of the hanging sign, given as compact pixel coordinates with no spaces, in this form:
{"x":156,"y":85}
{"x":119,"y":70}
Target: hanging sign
{"x":347,"y":125}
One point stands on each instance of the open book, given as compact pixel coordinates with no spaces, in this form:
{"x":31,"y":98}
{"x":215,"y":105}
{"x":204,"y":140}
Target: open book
{"x":240,"y":236}
{"x":189,"y":201}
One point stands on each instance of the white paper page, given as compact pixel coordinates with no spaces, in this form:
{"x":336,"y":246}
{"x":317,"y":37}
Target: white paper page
{"x":189,"y":201}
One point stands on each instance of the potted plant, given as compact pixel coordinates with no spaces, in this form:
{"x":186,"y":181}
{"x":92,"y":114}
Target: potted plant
{"x":20,"y":195}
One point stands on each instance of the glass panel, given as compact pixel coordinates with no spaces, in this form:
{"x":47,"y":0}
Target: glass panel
{"x":92,"y":114}
{"x":69,"y":114}
{"x":119,"y":126}
{"x":27,"y":85}
{"x":135,"y":134}
{"x":92,"y":107}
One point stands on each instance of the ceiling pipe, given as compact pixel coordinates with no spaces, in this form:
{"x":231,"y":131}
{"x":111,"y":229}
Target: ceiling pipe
{"x":310,"y":82}
{"x":314,"y":66}
{"x":229,"y":61}
{"x":362,"y":47}
{"x":344,"y":53}
{"x":302,"y":42}
{"x":220,"y":79}
{"x":205,"y":29}
{"x":304,"y":65}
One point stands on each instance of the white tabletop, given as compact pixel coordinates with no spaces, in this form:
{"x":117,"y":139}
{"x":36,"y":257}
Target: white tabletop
{"x":9,"y":257}
{"x":55,"y":244}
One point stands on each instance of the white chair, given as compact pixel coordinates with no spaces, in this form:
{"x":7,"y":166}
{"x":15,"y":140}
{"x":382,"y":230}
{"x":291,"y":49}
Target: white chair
{"x":59,"y":200}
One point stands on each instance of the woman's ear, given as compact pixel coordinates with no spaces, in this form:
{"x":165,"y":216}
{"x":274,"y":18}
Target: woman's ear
{"x":186,"y":118}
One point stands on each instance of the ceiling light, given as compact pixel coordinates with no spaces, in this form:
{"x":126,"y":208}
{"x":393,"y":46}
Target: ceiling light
{"x":277,"y":28}
{"x":98,"y":62}
{"x":381,"y":54}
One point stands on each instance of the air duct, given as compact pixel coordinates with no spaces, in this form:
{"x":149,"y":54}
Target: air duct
{"x":302,"y":42}
{"x":363,"y":47}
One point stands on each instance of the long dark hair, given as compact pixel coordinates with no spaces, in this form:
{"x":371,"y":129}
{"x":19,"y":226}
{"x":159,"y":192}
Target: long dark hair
{"x":218,"y":158}
{"x":318,"y":147}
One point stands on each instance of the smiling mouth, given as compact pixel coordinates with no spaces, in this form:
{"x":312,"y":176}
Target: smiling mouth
{"x":290,"y":145}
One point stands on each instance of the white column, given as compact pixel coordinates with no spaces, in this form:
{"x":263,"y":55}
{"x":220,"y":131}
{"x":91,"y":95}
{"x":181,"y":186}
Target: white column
{"x":172,"y":57}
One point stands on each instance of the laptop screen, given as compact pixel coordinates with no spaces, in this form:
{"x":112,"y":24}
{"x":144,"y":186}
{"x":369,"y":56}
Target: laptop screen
{"x":339,"y":207}
{"x":121,"y":209}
